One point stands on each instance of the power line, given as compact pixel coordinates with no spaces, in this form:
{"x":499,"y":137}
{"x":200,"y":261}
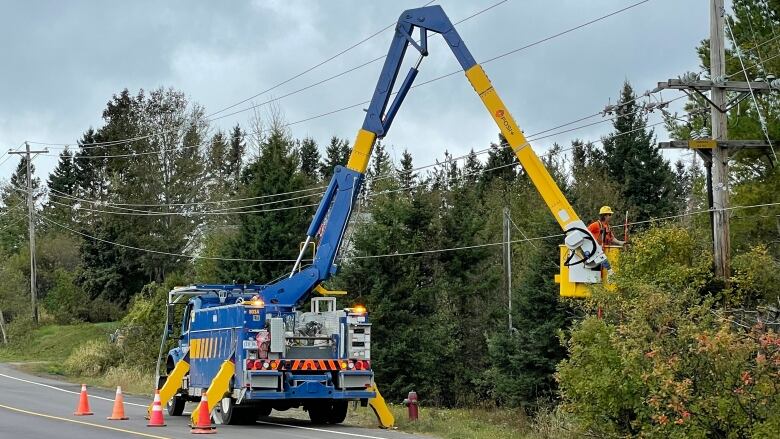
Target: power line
{"x":397,"y":254}
{"x":532,"y":137}
{"x":348,"y":107}
{"x":319,"y":64}
{"x":241,"y":209}
{"x":210,"y":117}
{"x":181,"y":255}
{"x":761,"y":119}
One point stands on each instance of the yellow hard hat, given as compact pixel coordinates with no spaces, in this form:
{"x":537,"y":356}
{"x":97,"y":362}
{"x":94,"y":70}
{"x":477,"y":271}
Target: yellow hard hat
{"x":606,"y":210}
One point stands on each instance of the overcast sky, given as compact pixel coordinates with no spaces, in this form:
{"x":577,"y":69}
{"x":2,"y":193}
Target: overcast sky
{"x":64,"y":60}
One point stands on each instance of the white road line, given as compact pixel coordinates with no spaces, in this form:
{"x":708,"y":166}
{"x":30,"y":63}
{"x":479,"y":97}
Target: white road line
{"x":321,"y":430}
{"x":65,"y":390}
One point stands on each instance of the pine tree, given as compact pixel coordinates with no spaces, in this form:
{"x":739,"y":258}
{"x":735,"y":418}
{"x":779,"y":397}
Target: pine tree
{"x":271,"y":234}
{"x":219,"y":170}
{"x":235,"y":157}
{"x":63,"y":185}
{"x":472,"y":169}
{"x":406,"y":176}
{"x":13,"y":221}
{"x":164,"y":168}
{"x":310,"y":159}
{"x":499,"y":162}
{"x":635,"y":162}
{"x":337,"y":153}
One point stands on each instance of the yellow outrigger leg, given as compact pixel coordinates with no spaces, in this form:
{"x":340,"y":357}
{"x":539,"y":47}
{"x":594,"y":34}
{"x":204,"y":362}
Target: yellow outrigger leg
{"x":382,"y":412}
{"x":218,"y":388}
{"x":173,"y":382}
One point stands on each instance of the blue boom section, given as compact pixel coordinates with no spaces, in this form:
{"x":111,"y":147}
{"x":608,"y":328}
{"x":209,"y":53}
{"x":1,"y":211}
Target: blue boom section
{"x":333,"y":213}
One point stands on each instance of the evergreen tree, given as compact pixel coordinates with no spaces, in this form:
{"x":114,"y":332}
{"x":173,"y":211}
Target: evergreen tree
{"x":407,"y":175}
{"x":523,"y":362}
{"x":499,"y":161}
{"x":235,"y":157}
{"x":13,"y":214}
{"x":219,"y":172}
{"x":63,"y":185}
{"x":591,"y":186}
{"x":472,"y":169}
{"x":379,"y":169}
{"x":270,"y":234}
{"x":337,"y":153}
{"x":402,"y":295}
{"x":635,"y":162}
{"x":163,"y":169}
{"x":310,"y":159}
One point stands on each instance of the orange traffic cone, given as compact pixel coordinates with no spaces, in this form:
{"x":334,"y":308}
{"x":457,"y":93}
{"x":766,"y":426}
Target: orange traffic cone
{"x":156,"y":418}
{"x":118,"y":414}
{"x":83,"y":407}
{"x":204,"y":418}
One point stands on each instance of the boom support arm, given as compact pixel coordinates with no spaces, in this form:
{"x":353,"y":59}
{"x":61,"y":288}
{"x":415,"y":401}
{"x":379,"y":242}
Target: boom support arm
{"x":332,"y":216}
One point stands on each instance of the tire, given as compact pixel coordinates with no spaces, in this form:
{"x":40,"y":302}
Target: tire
{"x":175,"y":405}
{"x":263,"y":411}
{"x":328,"y":412}
{"x":319,"y":412}
{"x":338,"y":412}
{"x":232,"y":414}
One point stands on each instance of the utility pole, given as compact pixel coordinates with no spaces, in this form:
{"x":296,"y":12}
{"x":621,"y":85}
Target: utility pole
{"x":720,"y":188}
{"x":31,"y":215}
{"x":715,"y":151}
{"x":508,"y":262}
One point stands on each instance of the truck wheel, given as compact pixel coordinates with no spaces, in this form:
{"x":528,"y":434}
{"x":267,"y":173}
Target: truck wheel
{"x":319,"y":412}
{"x":263,"y":411}
{"x":338,"y":412}
{"x":175,"y":405}
{"x":232,"y":414}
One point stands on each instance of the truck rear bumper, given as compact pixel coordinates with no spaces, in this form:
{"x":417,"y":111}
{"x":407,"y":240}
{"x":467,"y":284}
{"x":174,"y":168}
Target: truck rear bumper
{"x":285,"y":385}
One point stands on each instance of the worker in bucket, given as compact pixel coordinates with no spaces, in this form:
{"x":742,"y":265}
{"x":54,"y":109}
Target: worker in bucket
{"x":601,"y":230}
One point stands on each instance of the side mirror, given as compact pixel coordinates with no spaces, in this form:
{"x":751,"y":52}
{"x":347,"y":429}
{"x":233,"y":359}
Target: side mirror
{"x":170,"y":331}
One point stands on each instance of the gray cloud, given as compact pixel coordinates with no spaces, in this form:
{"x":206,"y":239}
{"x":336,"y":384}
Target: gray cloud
{"x":64,"y":60}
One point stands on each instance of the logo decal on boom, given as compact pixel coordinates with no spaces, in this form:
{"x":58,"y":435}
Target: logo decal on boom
{"x":501,"y":114}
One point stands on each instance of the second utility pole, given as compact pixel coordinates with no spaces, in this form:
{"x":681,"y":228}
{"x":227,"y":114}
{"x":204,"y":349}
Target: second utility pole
{"x":508,"y":263}
{"x":31,"y":215}
{"x":720,"y":183}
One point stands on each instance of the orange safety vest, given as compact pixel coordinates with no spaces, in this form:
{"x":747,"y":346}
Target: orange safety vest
{"x":602,"y":232}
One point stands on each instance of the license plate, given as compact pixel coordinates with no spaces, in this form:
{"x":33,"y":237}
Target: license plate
{"x":250,"y":344}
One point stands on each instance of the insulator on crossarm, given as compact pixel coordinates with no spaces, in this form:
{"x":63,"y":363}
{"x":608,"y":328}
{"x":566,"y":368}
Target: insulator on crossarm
{"x":689,"y":77}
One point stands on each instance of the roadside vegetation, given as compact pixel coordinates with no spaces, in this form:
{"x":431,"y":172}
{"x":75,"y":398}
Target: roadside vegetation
{"x":673,"y":351}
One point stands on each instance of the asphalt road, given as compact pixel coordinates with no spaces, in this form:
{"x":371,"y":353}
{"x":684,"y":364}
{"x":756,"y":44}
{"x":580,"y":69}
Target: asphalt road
{"x":35,"y":407}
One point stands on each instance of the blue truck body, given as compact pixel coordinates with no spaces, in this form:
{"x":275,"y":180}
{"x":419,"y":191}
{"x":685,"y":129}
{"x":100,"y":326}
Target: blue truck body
{"x":223,"y":322}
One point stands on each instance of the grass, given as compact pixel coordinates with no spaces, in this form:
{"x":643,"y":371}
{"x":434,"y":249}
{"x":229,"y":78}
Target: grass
{"x":457,"y":423}
{"x":54,"y":343}
{"x":45,"y":350}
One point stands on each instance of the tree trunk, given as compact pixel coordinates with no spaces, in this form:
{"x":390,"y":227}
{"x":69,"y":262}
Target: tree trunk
{"x":2,"y":327}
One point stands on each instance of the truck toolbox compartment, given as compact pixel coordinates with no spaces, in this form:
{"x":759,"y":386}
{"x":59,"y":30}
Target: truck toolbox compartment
{"x":266,"y":381}
{"x":355,"y":380}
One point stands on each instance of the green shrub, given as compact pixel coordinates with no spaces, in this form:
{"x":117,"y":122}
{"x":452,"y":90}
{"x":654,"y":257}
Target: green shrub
{"x":93,"y":358}
{"x":756,"y":279}
{"x":101,"y":310}
{"x":662,"y":362}
{"x":65,"y":301}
